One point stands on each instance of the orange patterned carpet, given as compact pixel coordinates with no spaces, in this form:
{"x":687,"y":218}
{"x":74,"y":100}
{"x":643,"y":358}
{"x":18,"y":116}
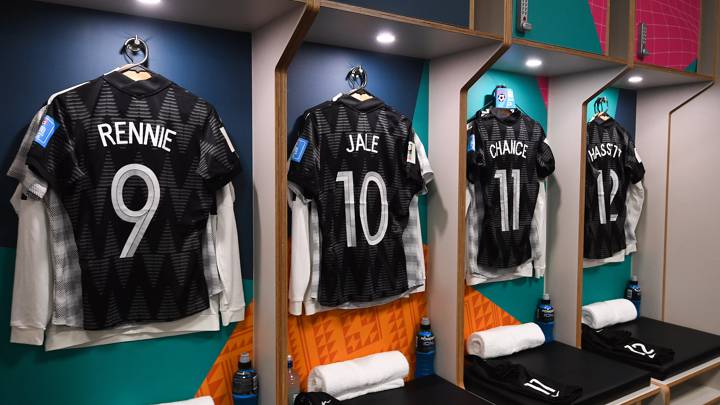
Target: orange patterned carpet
{"x":343,"y":335}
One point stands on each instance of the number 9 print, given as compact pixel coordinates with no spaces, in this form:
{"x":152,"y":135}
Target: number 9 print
{"x":142,"y":217}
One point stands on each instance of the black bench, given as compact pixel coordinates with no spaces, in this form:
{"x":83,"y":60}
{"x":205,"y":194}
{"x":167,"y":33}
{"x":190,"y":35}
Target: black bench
{"x":431,"y":390}
{"x":692,"y":347}
{"x":602,"y":379}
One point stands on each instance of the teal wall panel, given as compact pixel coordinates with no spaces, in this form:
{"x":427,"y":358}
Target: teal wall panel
{"x":517,"y":297}
{"x":421,"y":126}
{"x":566,"y":23}
{"x":606,"y":282}
{"x":144,"y":372}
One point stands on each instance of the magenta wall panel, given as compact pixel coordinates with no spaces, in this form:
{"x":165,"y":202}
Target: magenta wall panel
{"x":599,"y":10}
{"x":673,"y":32}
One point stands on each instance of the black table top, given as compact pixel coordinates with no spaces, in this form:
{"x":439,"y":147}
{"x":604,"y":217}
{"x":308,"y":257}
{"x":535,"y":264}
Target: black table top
{"x":602,"y":379}
{"x":691,"y":346}
{"x":431,"y":390}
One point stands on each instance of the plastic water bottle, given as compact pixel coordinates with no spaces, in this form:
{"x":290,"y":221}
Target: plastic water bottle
{"x":245,"y":385}
{"x":424,"y":350}
{"x":293,"y":381}
{"x":633,"y":293}
{"x":545,"y":318}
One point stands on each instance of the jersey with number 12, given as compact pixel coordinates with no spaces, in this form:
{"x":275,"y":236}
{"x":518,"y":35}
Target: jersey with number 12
{"x":136,"y":165}
{"x":612,"y":165}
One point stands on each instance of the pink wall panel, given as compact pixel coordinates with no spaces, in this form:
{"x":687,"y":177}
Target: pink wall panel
{"x":673,"y":31}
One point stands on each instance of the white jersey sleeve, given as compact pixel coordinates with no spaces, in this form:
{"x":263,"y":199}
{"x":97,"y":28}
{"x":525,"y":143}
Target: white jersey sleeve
{"x":232,"y":299}
{"x":300,"y":265}
{"x":32,"y":291}
{"x":538,"y":231}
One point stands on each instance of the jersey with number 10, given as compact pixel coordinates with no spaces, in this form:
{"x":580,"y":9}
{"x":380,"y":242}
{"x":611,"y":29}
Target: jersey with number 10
{"x":612,"y":165}
{"x":507,"y":156}
{"x":136,"y":165}
{"x":357,"y":161}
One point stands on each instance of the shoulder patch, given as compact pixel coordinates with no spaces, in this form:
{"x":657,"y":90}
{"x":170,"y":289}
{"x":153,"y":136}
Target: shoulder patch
{"x":46,"y":131}
{"x":299,"y":150}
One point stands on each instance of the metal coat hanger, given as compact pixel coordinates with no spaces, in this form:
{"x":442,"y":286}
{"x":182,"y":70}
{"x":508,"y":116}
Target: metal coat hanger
{"x":601,"y":107}
{"x":357,"y":79}
{"x":135,"y":70}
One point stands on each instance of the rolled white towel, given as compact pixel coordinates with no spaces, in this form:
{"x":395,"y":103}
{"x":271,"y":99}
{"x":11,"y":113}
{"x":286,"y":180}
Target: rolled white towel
{"x":505,"y":340}
{"x":206,"y":400}
{"x":607,"y":313}
{"x":353,"y":378}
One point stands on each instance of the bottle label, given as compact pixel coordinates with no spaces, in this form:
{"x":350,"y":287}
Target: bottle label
{"x":633,"y":293}
{"x":545,"y":314}
{"x":425,"y":342}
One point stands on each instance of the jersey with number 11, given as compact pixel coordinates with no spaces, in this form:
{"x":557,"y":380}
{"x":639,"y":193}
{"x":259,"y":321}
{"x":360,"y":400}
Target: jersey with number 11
{"x":507,"y":158}
{"x":356,"y":160}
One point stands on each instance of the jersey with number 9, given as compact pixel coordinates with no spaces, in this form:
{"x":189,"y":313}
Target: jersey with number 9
{"x":136,"y":165}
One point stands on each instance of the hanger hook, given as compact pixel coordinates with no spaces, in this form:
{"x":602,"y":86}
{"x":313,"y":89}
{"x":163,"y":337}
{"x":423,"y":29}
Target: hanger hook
{"x":357,"y":78}
{"x":134,"y":45}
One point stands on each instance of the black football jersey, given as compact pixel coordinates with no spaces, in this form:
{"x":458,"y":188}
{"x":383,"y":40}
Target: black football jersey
{"x":507,"y":156}
{"x":612,"y":164}
{"x":357,"y":161}
{"x":136,"y":165}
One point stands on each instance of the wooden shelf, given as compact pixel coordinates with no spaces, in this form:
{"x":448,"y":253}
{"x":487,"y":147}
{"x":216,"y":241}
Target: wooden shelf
{"x":236,"y":15}
{"x":637,"y":396}
{"x":691,"y":393}
{"x":656,"y":76}
{"x":556,"y":61}
{"x":347,"y":26}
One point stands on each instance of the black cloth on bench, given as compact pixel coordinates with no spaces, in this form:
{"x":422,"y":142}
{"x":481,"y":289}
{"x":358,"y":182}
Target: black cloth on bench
{"x":602,"y":380}
{"x":430,"y":390}
{"x":692,"y":347}
{"x":622,"y":345}
{"x":505,"y":375}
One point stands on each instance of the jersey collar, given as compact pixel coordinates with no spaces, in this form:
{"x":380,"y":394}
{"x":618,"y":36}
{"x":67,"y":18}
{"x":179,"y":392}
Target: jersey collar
{"x":140,"y":88}
{"x":364,"y":106}
{"x":509,"y":120}
{"x":604,"y":123}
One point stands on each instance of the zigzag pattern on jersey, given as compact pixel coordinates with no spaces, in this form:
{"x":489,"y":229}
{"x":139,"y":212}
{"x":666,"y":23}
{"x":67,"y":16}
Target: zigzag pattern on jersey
{"x":498,"y":248}
{"x":218,"y":381}
{"x":345,"y":276}
{"x":480,"y":313}
{"x":164,"y":279}
{"x":340,"y":335}
{"x":614,"y":172}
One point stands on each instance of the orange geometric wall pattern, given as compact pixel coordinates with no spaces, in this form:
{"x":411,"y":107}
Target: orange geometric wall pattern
{"x":340,"y":335}
{"x":480,"y":313}
{"x":218,"y":382}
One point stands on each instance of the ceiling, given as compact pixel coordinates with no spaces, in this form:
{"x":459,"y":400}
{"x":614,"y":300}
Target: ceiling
{"x":237,"y":15}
